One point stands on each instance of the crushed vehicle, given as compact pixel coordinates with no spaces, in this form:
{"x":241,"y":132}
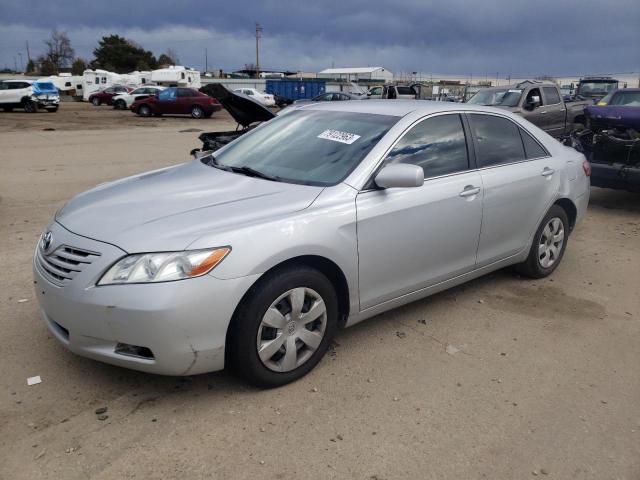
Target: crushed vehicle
{"x":29,"y":95}
{"x":539,"y":102}
{"x":245,"y":110}
{"x":612,"y":141}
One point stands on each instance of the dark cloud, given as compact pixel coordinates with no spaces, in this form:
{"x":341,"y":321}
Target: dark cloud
{"x":455,"y":36}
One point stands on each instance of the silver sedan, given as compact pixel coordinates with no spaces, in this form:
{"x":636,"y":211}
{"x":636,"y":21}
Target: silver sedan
{"x":254,"y":255}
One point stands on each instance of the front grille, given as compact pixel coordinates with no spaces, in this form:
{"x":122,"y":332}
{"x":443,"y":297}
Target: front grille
{"x":64,"y":263}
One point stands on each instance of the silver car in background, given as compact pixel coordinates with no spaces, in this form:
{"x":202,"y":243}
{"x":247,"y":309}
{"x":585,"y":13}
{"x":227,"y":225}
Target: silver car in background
{"x":252,"y":256}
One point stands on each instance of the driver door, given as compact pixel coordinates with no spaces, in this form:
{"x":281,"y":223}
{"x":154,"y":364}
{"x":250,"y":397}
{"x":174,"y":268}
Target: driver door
{"x":412,"y":238}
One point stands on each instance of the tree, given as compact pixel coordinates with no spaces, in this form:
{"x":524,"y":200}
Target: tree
{"x":31,"y":66}
{"x":168,"y":58}
{"x":121,"y":55}
{"x":45,"y":66}
{"x":59,"y":50}
{"x":79,"y":66}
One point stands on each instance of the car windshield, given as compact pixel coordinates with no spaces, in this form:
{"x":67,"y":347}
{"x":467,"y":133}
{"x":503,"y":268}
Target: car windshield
{"x":307,"y":147}
{"x":596,"y":88}
{"x":503,"y":97}
{"x":627,"y":99}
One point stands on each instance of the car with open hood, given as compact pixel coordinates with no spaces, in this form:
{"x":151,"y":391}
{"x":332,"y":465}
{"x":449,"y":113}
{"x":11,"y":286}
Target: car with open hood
{"x":253,"y":255}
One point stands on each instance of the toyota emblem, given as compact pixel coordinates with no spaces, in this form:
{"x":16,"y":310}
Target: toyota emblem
{"x":47,"y":237}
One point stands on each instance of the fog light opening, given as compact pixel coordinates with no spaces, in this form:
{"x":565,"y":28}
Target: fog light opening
{"x":134,"y":351}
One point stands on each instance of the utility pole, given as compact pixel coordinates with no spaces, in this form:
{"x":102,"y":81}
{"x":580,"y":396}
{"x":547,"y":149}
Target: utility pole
{"x":258,"y":36}
{"x":206,"y":61}
{"x":28,"y":55}
{"x":15,"y":64}
{"x":21,"y":64}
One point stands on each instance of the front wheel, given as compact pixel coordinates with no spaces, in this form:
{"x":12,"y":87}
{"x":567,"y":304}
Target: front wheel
{"x":96,"y":101}
{"x":144,"y":111}
{"x":283,"y":327}
{"x":548,"y":245}
{"x":30,"y":106}
{"x":120,"y":105}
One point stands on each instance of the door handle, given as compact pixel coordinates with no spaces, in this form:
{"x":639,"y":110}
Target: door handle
{"x":469,"y":191}
{"x":547,"y":172}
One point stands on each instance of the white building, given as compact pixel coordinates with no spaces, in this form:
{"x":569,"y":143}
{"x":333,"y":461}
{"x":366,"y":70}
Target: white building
{"x":353,"y":74}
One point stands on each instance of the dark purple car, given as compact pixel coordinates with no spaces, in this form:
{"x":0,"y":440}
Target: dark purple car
{"x":619,"y":109}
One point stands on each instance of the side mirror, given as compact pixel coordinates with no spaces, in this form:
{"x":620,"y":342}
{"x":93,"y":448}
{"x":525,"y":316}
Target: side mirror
{"x":400,"y":175}
{"x":533,"y":103}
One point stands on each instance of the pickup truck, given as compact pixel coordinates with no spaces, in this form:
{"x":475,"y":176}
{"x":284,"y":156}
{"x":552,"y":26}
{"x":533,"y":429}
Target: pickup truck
{"x":539,"y":102}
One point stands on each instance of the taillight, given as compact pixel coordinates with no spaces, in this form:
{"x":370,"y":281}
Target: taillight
{"x":586,"y":166}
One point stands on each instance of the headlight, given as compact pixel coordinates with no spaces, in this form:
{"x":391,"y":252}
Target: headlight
{"x":164,"y":267}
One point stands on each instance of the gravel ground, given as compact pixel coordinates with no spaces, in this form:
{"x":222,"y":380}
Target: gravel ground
{"x":502,"y":378}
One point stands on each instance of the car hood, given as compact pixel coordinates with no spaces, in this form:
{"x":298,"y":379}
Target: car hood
{"x":614,"y":116}
{"x":168,"y":209}
{"x":243,"y":109}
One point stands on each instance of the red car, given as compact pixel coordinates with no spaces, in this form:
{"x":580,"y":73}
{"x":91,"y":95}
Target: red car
{"x":106,"y":96}
{"x":177,"y":101}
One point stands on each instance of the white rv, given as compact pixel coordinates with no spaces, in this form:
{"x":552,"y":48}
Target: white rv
{"x":95,"y":80}
{"x":66,"y":84}
{"x":176,"y":76}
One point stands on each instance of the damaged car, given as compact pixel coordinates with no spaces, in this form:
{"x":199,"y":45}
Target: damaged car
{"x":29,"y":95}
{"x":612,"y":140}
{"x":246,"y":111}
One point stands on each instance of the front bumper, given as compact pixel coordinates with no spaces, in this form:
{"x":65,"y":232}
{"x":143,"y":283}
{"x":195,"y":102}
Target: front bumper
{"x":47,"y":101}
{"x":183,"y":324}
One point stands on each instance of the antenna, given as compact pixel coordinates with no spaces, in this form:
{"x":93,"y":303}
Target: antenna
{"x":258,"y":37}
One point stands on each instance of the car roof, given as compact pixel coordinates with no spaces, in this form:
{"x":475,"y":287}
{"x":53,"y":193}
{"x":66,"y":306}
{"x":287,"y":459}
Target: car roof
{"x":400,"y":108}
{"x":18,"y":80}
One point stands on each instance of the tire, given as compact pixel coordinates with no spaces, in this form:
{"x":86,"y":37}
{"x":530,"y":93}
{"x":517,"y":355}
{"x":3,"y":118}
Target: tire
{"x":96,"y":101}
{"x":197,"y":112}
{"x":120,"y":105}
{"x":29,"y":106}
{"x":546,"y":252}
{"x":144,"y":111}
{"x":248,"y":331}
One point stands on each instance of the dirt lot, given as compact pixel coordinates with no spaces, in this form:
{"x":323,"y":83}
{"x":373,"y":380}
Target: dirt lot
{"x":546,"y":379}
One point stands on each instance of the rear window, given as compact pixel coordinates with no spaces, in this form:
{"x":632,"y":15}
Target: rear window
{"x":405,"y":91}
{"x":497,"y":140}
{"x":532,"y":148}
{"x":551,"y":95}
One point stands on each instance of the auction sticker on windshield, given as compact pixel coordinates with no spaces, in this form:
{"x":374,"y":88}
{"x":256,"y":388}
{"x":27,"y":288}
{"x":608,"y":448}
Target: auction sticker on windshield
{"x":338,"y":136}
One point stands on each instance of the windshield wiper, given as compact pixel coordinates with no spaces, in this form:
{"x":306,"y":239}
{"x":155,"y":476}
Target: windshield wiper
{"x":250,"y":172}
{"x":253,"y":173}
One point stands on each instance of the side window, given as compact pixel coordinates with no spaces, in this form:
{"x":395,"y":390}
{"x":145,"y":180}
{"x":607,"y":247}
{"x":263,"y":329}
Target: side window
{"x":436,"y":144}
{"x":97,"y":80}
{"x":551,"y":95}
{"x":104,"y":79}
{"x":166,"y":95}
{"x":534,"y":92}
{"x":183,"y":92}
{"x":497,"y":140}
{"x":532,"y":148}
{"x":4,"y":86}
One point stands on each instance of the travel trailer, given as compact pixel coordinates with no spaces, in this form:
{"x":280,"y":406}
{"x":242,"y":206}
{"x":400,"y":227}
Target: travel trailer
{"x":67,"y":84}
{"x":176,"y":76}
{"x":95,"y":80}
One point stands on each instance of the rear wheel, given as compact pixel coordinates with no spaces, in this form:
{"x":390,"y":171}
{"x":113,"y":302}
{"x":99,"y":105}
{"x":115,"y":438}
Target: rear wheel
{"x":144,"y":111}
{"x":283,"y":327}
{"x":197,"y":112}
{"x":548,"y":244}
{"x":95,"y":101}
{"x":30,"y":106}
{"x":120,"y":105}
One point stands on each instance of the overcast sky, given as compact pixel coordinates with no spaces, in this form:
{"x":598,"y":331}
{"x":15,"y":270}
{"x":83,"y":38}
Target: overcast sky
{"x":510,"y":37}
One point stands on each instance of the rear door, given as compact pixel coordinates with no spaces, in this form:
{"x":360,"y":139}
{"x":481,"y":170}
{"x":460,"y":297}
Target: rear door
{"x":520,"y":180}
{"x":554,"y":110}
{"x":167,"y":101}
{"x":411,"y":238}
